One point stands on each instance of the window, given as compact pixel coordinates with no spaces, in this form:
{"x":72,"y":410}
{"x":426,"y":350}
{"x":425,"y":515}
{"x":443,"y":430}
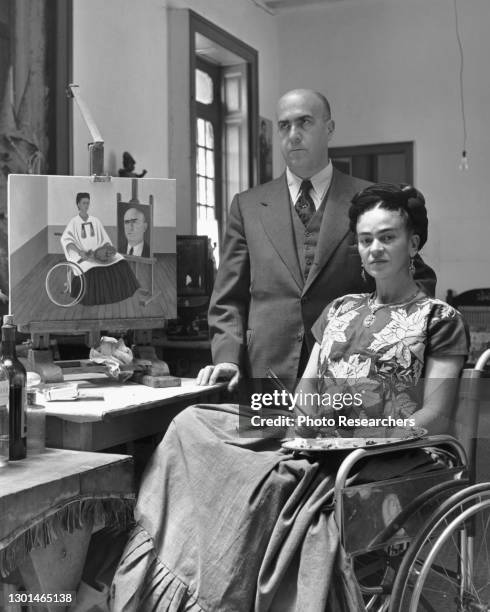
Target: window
{"x":208,"y":151}
{"x":213,"y":127}
{"x":225,"y":119}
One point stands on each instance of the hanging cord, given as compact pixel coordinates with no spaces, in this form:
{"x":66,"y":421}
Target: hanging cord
{"x":464,"y":157}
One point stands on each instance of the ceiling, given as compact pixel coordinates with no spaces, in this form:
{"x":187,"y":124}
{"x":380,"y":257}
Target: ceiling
{"x":281,"y":4}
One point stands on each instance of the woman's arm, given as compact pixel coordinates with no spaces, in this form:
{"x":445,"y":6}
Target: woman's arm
{"x":441,"y":384}
{"x":307,"y":400}
{"x":309,"y":381}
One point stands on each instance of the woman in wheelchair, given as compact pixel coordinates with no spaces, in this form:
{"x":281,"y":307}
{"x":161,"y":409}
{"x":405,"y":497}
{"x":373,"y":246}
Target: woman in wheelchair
{"x":228,"y":520}
{"x":400,"y":349}
{"x":107,"y":277}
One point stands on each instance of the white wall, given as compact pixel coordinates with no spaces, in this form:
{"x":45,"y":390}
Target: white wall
{"x":391,"y":71}
{"x":120,"y":63}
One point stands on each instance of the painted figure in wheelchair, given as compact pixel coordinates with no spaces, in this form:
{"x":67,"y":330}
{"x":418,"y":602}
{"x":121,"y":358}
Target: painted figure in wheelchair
{"x":230,"y":522}
{"x":107,"y":277}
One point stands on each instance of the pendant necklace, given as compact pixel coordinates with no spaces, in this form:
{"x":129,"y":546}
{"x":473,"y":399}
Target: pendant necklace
{"x":371,"y":317}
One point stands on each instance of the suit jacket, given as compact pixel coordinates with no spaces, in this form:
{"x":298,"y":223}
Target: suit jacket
{"x":262,"y":308}
{"x":144,"y":253}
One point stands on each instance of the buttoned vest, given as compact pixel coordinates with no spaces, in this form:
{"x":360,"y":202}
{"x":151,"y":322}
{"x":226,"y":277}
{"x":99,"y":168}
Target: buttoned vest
{"x":306,"y":238}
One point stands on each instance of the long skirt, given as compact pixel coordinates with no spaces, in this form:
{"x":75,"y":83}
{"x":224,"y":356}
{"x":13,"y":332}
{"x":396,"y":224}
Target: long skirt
{"x":232,"y":524}
{"x":106,"y":284}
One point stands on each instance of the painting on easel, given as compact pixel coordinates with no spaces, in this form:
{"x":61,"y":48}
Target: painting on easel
{"x":81,"y":252}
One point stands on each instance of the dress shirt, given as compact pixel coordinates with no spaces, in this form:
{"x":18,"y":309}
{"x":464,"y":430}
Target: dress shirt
{"x":137,"y":249}
{"x":320,"y":181}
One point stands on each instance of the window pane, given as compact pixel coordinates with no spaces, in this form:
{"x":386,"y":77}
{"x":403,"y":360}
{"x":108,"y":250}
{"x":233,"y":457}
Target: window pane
{"x":200,"y":132}
{"x":201,"y":161}
{"x":210,"y":164}
{"x":198,"y":191}
{"x":210,"y":192}
{"x":232,"y":94}
{"x":204,"y":87}
{"x":209,"y":135}
{"x":202,"y":191}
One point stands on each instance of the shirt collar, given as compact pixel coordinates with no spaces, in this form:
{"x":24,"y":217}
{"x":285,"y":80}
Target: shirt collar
{"x":136,"y":246}
{"x":320,"y":182}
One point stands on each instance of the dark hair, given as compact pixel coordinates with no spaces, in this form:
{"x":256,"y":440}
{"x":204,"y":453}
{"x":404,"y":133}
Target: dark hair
{"x":81,"y":195}
{"x":405,"y":199}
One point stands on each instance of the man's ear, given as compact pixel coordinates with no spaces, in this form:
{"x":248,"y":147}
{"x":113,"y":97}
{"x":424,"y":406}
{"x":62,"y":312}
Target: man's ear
{"x":330,"y":128}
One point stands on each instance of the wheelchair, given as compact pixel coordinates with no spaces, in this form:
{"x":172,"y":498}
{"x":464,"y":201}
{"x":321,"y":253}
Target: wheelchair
{"x":421,"y":542}
{"x":65,"y":284}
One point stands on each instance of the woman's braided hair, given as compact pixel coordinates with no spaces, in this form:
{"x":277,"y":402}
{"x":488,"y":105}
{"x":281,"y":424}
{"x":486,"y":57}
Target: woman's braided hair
{"x":405,"y":199}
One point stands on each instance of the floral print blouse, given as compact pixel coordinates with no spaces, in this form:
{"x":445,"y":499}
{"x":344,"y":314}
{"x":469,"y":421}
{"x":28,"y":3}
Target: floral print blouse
{"x":380,"y":352}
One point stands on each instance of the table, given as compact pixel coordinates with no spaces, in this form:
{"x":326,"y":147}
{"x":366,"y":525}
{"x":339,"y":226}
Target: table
{"x":48,"y":505}
{"x":128,"y":412}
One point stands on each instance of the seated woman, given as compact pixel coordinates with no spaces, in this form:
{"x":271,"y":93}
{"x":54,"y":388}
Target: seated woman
{"x":231,"y":523}
{"x":107,"y":275}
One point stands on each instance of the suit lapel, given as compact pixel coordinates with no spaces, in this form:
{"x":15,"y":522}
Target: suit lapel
{"x":334,"y":227}
{"x":275,"y":215}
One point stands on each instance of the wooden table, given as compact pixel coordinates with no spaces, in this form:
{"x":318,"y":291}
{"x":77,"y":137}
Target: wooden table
{"x":127,"y":412}
{"x":48,"y":505}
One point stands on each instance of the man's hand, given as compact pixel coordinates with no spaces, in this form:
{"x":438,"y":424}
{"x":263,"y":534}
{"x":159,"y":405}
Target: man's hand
{"x":209,"y":375}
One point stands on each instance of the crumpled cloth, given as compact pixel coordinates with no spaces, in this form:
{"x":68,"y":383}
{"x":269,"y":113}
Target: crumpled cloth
{"x":230,"y":524}
{"x":113,"y":354}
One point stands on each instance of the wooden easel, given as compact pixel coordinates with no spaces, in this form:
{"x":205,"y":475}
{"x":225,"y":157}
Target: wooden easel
{"x":149,"y":370}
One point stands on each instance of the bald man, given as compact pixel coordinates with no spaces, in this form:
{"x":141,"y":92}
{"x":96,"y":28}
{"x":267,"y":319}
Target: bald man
{"x":135,"y":226}
{"x":287,"y":253}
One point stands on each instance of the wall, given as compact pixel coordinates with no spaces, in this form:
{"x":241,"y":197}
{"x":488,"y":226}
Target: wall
{"x":391,"y":71}
{"x":120,"y":58}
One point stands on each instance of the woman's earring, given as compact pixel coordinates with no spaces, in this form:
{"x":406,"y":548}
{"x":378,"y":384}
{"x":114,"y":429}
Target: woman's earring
{"x":363,"y":274}
{"x":411,"y":266}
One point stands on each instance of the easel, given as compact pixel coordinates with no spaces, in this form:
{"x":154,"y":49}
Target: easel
{"x":148,"y":368}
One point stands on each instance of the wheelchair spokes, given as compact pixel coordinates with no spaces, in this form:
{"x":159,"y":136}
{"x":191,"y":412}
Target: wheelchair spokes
{"x":65,"y":284}
{"x":448,"y":569}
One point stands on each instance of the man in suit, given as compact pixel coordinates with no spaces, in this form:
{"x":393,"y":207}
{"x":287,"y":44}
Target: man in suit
{"x":135,"y":226}
{"x":287,"y":253}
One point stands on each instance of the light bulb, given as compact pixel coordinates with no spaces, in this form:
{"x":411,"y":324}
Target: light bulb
{"x":463,"y":164}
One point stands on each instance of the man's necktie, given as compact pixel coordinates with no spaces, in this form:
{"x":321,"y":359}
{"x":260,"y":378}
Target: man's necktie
{"x":304,"y":204}
{"x":131,"y":251}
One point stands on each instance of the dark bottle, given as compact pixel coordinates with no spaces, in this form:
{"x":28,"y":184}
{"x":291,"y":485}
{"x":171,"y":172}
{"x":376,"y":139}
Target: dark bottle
{"x":17,"y":390}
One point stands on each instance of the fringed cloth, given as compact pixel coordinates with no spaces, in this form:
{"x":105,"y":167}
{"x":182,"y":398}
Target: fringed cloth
{"x":44,"y":495}
{"x":230,"y":524}
{"x":72,"y":515}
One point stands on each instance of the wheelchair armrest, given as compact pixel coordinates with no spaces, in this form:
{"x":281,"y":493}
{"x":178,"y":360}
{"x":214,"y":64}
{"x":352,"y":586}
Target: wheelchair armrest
{"x":349,"y":463}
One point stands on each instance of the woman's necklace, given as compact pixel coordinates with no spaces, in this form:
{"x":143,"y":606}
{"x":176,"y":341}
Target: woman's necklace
{"x":371,"y":317}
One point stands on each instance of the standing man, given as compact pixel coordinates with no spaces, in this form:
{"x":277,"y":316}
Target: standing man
{"x":135,"y":226}
{"x":287,"y":253}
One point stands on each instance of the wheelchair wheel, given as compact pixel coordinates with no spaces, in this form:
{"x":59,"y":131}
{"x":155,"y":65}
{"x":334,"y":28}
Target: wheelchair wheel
{"x":377,"y":569}
{"x":447,"y":567}
{"x":65,"y":284}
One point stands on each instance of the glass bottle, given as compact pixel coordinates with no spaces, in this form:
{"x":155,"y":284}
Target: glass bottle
{"x":17,"y":390}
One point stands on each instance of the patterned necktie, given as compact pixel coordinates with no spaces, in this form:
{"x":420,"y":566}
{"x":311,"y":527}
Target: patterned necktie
{"x":131,"y":251}
{"x":304,"y":204}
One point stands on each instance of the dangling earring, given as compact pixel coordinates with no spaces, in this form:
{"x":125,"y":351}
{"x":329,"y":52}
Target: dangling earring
{"x":363,"y":274}
{"x":411,"y":266}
